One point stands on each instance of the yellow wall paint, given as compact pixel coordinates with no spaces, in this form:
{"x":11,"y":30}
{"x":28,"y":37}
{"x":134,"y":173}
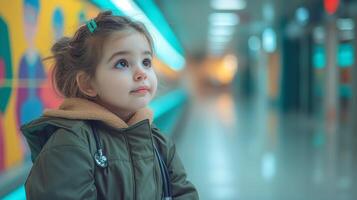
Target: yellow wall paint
{"x":12,"y":13}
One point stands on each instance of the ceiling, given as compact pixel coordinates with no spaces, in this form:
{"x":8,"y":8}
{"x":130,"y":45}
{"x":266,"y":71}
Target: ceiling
{"x":189,"y":21}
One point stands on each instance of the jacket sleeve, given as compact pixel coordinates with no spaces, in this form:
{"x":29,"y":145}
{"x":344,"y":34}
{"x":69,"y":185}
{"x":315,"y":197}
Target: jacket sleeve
{"x":182,"y":189}
{"x":63,"y":170}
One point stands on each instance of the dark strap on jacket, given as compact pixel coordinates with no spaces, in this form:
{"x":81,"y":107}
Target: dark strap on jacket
{"x":165,"y":176}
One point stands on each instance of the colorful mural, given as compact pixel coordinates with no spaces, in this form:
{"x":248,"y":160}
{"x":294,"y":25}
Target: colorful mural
{"x":48,"y":94}
{"x":28,"y":28}
{"x":5,"y":83}
{"x":31,"y":73}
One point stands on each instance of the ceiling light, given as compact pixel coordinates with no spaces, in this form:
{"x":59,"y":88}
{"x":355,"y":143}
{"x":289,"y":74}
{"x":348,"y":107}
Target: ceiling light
{"x":228,"y":4}
{"x":345,"y":24}
{"x":223,"y":19}
{"x":269,"y":40}
{"x":221,"y":31}
{"x":302,"y":15}
{"x":219,"y":39}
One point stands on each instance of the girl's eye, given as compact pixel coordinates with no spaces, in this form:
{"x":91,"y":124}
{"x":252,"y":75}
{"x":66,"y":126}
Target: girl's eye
{"x":122,"y":63}
{"x":147,"y":62}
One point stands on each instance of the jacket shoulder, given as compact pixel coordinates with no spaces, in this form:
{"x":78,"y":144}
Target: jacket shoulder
{"x":48,"y":132}
{"x":50,"y":123}
{"x":159,"y":137}
{"x":164,"y":143}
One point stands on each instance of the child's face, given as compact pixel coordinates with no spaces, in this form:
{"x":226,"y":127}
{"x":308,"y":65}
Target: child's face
{"x":125,"y":81}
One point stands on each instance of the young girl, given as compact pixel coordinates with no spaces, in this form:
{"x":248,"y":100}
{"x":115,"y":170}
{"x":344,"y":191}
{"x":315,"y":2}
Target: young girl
{"x":100,"y":143}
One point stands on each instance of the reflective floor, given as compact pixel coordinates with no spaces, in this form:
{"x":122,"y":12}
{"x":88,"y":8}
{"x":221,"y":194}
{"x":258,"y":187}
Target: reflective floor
{"x":245,"y":149}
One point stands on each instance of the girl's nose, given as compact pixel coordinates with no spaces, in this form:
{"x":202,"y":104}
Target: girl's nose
{"x":140,"y":75}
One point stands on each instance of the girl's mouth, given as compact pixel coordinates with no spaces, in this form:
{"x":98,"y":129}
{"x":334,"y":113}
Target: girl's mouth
{"x":141,"y":90}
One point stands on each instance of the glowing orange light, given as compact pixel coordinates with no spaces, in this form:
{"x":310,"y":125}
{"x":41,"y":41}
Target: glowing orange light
{"x":223,"y":69}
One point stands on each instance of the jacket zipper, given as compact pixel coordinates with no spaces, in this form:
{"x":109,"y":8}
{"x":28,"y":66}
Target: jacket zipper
{"x":132,"y":166}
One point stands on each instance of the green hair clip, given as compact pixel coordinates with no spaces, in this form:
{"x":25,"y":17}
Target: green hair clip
{"x":91,"y":25}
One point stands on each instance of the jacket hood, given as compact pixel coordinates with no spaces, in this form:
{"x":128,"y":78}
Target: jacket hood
{"x":70,"y":116}
{"x":77,"y":108}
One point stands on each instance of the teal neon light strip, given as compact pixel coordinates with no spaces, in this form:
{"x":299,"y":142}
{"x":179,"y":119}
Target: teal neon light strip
{"x":345,"y":55}
{"x":319,"y":57}
{"x":18,"y":194}
{"x":165,"y":51}
{"x":107,"y":5}
{"x":154,"y":14}
{"x":168,"y":102}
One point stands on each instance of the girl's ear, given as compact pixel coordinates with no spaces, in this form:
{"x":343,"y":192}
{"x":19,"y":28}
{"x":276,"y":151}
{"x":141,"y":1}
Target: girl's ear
{"x":85,"y":84}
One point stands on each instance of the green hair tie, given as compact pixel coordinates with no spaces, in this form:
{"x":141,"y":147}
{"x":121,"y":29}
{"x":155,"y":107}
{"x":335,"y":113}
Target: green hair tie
{"x":91,"y":25}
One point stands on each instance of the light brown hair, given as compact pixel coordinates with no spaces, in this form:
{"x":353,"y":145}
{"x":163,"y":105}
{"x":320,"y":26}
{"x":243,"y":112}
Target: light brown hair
{"x":83,"y":51}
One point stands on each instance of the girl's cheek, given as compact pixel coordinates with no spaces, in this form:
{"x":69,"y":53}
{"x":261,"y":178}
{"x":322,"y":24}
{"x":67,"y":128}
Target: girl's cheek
{"x":153,"y":75}
{"x":155,"y":82}
{"x":155,"y":89}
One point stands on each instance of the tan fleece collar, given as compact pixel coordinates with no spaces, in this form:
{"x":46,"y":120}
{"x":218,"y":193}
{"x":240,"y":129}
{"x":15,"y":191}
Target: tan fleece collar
{"x":78,"y":108}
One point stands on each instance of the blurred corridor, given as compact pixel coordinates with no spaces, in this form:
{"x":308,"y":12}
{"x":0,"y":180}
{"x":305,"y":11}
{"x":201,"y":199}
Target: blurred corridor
{"x":248,"y":150}
{"x":259,"y":96}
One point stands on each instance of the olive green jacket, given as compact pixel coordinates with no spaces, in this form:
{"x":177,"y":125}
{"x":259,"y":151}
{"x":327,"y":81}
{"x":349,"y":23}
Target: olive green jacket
{"x":63,"y":145}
